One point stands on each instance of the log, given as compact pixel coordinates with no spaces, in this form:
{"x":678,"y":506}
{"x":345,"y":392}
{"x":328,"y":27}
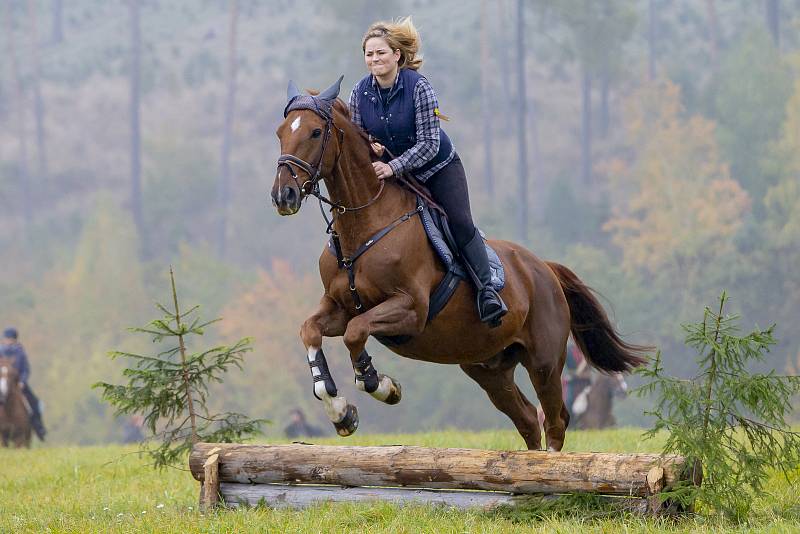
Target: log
{"x":303,"y":496}
{"x":236,"y":495}
{"x":516,"y":472}
{"x":290,"y":496}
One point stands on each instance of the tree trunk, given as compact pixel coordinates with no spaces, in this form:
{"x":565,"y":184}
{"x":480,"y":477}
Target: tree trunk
{"x":713,"y":31}
{"x":604,"y":112}
{"x":537,"y":177}
{"x":486,"y":103}
{"x":503,"y":45}
{"x":19,"y":105}
{"x":522,"y":169}
{"x":773,"y":21}
{"x":223,"y":187}
{"x":38,"y":101}
{"x":651,"y":40}
{"x":135,"y":127}
{"x":586,"y":127}
{"x":58,"y":21}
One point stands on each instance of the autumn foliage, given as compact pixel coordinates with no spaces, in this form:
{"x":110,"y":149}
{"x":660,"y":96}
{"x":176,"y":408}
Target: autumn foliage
{"x":679,"y":207}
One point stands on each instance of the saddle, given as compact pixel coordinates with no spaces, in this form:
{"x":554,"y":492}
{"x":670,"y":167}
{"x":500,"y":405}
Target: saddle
{"x":442,"y":241}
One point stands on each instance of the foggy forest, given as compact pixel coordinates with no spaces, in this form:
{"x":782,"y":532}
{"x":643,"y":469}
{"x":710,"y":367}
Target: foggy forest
{"x":653,"y":146}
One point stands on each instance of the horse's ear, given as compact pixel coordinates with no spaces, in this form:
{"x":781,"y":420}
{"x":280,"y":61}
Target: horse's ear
{"x":333,"y":91}
{"x":292,"y":91}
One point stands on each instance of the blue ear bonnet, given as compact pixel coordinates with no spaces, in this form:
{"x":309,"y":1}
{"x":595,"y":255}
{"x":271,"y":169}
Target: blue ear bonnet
{"x":321,"y":104}
{"x":323,"y":108}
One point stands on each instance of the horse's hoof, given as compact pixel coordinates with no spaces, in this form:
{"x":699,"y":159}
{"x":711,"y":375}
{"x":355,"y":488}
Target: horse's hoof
{"x":395,"y":394}
{"x":349,"y":423}
{"x":388,"y":391}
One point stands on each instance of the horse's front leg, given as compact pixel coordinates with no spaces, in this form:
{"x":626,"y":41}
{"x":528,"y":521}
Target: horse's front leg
{"x":328,"y":320}
{"x":395,"y":316}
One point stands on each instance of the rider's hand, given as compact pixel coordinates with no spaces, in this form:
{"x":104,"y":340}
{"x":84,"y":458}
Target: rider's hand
{"x":377,"y":148}
{"x":22,"y":385}
{"x":383,"y":170}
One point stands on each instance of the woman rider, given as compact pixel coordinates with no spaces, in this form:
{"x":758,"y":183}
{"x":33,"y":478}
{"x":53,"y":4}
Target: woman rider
{"x":397,"y":106}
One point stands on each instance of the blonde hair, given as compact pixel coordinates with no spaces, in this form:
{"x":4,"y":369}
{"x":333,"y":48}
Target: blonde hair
{"x":399,"y":35}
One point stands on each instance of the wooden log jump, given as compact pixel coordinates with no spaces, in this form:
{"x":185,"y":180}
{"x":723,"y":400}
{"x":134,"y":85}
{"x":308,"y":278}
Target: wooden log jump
{"x":298,"y":475}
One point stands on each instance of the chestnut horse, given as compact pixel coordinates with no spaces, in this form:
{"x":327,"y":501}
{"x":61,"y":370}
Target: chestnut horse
{"x":387,"y":291}
{"x":15,"y":426}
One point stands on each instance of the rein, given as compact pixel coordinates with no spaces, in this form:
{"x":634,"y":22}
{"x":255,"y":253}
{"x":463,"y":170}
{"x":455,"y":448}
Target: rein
{"x":406,"y":180}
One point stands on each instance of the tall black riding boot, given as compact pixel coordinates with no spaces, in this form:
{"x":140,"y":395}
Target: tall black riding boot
{"x":491,"y":307}
{"x":36,"y":413}
{"x":38,"y":426}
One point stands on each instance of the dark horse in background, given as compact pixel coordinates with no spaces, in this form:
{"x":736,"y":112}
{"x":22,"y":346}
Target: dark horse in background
{"x":387,"y":291}
{"x":594,"y":406}
{"x":15,"y":426}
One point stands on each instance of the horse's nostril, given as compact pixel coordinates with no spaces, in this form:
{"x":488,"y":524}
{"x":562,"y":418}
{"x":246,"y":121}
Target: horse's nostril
{"x":289,"y":196}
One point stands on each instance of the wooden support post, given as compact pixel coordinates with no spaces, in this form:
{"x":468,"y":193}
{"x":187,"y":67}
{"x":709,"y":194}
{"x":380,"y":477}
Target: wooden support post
{"x":655,"y":483}
{"x":209,"y":491}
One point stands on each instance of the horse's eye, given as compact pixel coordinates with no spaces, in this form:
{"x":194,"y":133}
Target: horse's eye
{"x":316,"y":133}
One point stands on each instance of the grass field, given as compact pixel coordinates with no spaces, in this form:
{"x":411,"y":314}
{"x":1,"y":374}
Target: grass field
{"x":112,"y":489}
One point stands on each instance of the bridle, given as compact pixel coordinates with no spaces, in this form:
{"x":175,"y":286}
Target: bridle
{"x":314,"y":171}
{"x":324,"y":109}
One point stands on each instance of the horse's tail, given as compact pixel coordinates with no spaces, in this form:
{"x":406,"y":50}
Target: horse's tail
{"x":592,"y":330}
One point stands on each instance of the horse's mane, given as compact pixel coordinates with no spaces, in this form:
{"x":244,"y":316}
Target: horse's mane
{"x":405,"y":181}
{"x":340,"y":106}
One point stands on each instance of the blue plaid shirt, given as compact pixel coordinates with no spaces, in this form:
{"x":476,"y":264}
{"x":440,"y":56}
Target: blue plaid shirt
{"x":427,"y":126}
{"x":19,"y":358}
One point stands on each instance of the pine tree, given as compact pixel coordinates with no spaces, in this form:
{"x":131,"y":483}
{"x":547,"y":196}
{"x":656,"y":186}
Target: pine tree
{"x":170,"y":389}
{"x":727,"y":419}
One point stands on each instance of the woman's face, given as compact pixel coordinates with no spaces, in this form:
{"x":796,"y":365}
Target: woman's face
{"x":381,"y":60}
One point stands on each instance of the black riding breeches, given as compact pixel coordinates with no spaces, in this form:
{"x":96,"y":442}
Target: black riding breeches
{"x":449,"y":189}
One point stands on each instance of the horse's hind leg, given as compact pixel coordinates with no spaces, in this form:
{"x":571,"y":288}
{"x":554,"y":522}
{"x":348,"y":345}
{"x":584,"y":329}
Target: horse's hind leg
{"x":546,"y":377}
{"x":496,"y":377}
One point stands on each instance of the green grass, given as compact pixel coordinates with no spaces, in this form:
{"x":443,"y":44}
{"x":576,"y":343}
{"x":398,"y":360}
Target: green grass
{"x":112,"y":489}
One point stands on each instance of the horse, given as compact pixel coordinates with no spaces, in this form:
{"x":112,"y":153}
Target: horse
{"x":593,"y":407}
{"x":386,"y":293}
{"x":15,"y":426}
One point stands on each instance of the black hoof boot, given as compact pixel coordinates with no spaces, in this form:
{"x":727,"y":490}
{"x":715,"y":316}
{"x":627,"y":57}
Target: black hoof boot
{"x":349,"y":422}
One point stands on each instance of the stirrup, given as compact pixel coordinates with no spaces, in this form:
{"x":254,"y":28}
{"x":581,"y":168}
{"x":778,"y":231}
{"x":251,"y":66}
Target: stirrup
{"x":495,"y":318}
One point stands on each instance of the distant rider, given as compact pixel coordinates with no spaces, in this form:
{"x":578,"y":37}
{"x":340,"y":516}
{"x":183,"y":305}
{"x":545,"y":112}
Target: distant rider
{"x":577,"y":378}
{"x":12,"y":348}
